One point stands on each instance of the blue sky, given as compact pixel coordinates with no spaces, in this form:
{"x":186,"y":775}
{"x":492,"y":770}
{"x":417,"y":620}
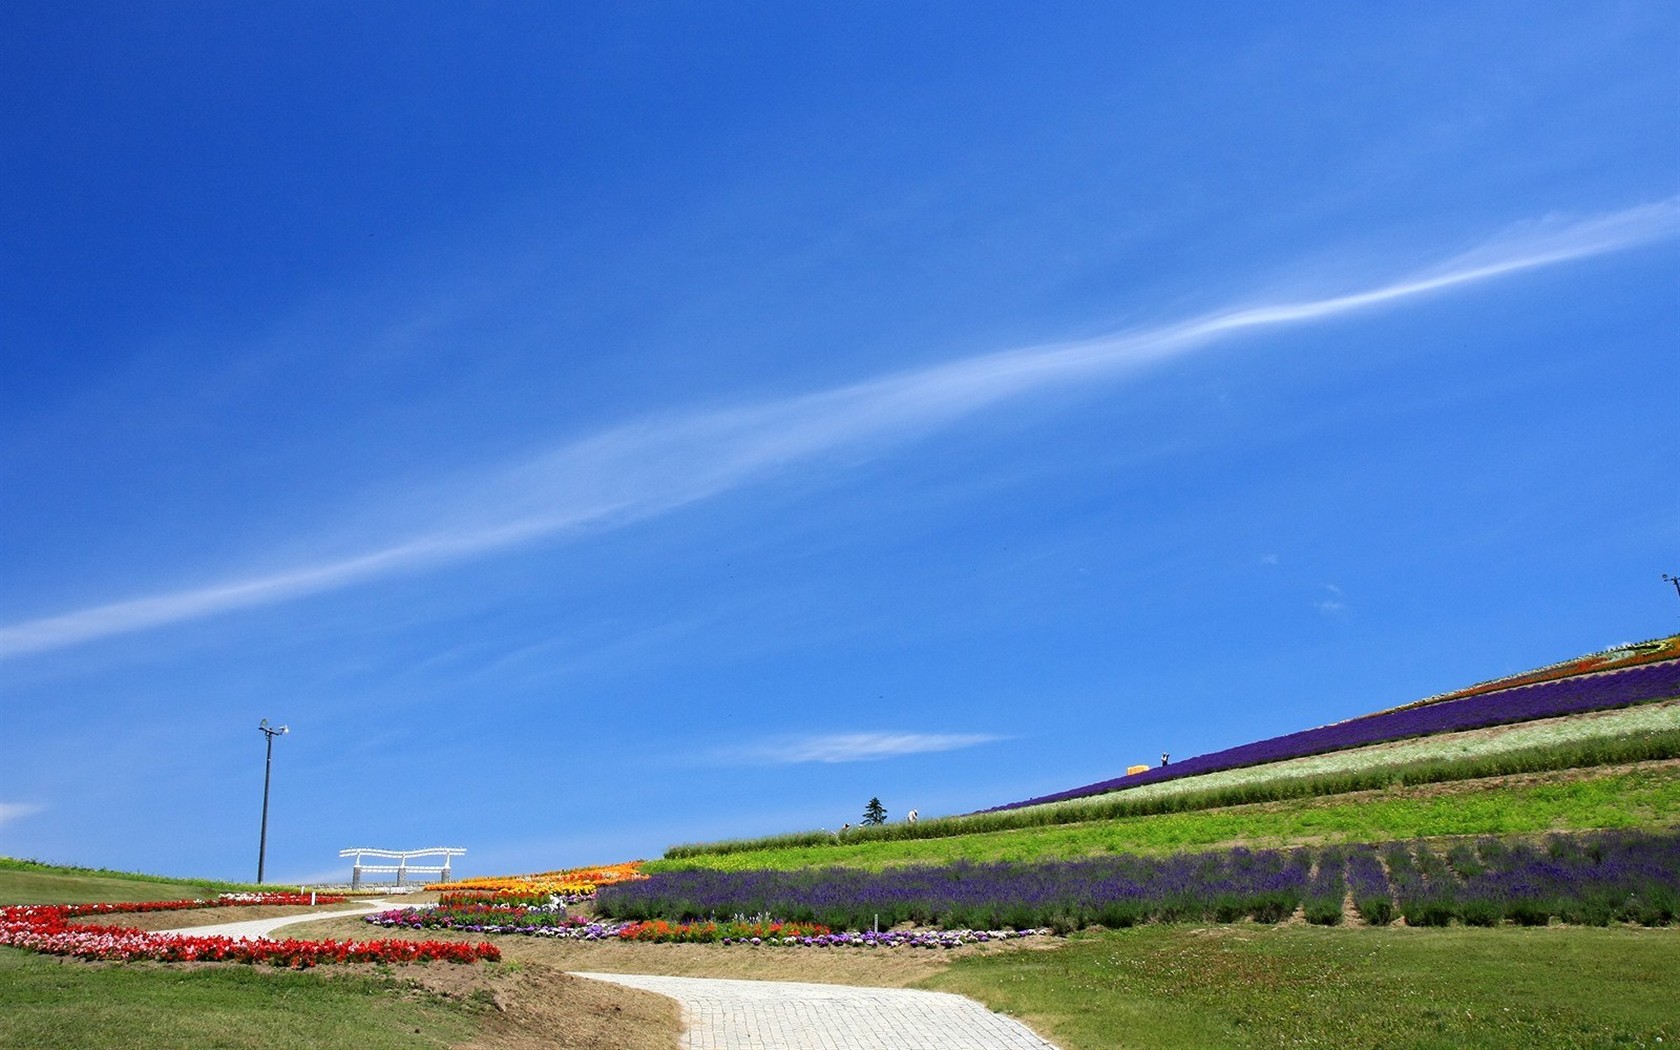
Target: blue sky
{"x":592,"y":428}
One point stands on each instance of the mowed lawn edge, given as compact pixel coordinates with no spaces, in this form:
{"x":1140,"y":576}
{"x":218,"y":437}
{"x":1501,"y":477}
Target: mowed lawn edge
{"x":1183,"y":987}
{"x":56,"y":1003}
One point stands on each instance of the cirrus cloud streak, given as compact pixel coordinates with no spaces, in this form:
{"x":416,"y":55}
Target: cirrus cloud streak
{"x":661,"y":463}
{"x":850,"y":747}
{"x":10,"y":811}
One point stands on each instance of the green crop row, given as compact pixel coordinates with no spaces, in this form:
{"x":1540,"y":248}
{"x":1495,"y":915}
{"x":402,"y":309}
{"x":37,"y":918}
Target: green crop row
{"x":1572,"y":754}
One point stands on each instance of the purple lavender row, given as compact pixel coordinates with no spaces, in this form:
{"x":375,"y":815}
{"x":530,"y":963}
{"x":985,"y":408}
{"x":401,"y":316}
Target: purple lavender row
{"x":1328,"y":888}
{"x":1614,"y":876}
{"x":1368,"y":886}
{"x":1123,"y":890}
{"x":1589,"y":877}
{"x":1562,"y":696}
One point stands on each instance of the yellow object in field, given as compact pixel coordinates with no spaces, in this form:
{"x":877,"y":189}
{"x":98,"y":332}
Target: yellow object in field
{"x":1136,"y":769}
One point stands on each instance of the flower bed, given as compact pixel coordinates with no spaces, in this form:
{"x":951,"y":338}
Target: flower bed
{"x":1594,"y":880}
{"x":1566,"y":696}
{"x":1609,"y":659}
{"x":659,"y":931}
{"x":571,"y":885}
{"x":47,"y":929}
{"x":488,"y":918}
{"x":225,"y":900}
{"x":1594,"y":877}
{"x":502,"y":899}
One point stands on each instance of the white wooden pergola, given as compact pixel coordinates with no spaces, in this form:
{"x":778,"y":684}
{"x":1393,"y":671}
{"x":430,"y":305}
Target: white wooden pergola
{"x":402,"y":867}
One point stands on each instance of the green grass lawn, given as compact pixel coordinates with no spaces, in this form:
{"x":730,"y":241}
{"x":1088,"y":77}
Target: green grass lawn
{"x":1646,"y":797}
{"x":52,"y":1003}
{"x":1166,"y":987}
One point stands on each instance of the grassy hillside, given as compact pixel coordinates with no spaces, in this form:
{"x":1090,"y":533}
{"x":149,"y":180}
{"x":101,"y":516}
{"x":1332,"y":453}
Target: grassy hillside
{"x":1251,"y":984}
{"x":1643,"y":795}
{"x":1170,"y":986}
{"x":1174,"y":984}
{"x":1597,"y":740}
{"x":31,"y":882}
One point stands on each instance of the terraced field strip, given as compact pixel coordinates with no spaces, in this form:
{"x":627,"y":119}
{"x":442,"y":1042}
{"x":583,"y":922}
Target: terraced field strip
{"x":1603,"y":691}
{"x":1470,"y":743}
{"x":1607,"y":739}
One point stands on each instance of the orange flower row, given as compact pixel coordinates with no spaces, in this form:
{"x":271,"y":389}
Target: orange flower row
{"x":571,"y":881}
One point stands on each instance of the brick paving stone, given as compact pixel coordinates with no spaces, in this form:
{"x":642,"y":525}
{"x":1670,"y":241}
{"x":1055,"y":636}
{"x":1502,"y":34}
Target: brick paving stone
{"x":782,"y":1015}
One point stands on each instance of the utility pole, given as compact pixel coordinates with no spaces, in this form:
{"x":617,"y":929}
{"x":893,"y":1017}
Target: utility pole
{"x":268,"y":768}
{"x":1674,"y":580}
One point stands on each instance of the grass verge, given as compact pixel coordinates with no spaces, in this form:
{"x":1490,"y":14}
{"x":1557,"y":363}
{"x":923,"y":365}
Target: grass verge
{"x":1242,"y":987}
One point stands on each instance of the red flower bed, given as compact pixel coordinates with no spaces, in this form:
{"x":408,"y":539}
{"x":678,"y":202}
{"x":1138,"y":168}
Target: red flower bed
{"x":46,"y":929}
{"x":226,"y":900}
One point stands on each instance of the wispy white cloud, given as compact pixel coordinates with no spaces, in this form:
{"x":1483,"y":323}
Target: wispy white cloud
{"x":1332,"y":604}
{"x":10,"y":811}
{"x":849,"y":747}
{"x":660,"y":463}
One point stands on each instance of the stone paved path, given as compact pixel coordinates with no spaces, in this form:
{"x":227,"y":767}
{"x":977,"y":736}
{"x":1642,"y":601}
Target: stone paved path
{"x":781,"y":1015}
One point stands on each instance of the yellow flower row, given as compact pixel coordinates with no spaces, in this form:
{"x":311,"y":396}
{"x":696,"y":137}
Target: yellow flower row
{"x":570,"y":880}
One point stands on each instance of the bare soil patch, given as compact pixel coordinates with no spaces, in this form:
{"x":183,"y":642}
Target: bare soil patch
{"x":864,"y":967}
{"x":537,"y":1007}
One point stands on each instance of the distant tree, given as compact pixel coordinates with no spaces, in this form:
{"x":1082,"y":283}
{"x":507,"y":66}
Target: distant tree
{"x":874,"y":813}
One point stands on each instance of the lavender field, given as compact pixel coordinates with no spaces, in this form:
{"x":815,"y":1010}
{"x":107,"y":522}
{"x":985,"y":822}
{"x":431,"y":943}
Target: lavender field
{"x":1593,"y":878}
{"x":1657,"y":681}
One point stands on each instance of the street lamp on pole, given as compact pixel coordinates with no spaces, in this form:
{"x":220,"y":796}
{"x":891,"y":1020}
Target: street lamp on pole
{"x":268,"y":767}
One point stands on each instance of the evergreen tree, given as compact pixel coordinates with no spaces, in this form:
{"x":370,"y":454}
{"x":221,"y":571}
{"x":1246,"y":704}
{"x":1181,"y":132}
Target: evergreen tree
{"x":874,"y":813}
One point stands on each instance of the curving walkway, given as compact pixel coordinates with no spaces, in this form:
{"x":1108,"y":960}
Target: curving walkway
{"x":259,"y":929}
{"x":781,"y":1015}
{"x":777,"y":1015}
